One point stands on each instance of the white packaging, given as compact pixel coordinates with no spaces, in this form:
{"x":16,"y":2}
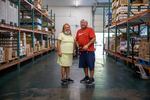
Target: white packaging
{"x":3,"y":10}
{"x":123,"y":45}
{"x":39,"y":27}
{"x":39,"y":21}
{"x":1,"y":55}
{"x":46,"y":29}
{"x":22,"y":51}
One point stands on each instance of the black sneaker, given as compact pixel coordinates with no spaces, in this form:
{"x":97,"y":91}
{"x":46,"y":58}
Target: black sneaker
{"x":90,"y":81}
{"x":70,"y":80}
{"x":64,"y":82}
{"x":84,"y":80}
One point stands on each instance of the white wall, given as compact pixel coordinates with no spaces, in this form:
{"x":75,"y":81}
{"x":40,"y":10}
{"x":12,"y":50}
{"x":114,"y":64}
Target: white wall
{"x":72,"y":16}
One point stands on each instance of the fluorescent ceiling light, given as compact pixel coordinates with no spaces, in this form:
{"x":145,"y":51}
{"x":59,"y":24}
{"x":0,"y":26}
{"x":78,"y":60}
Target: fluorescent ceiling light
{"x":76,"y":3}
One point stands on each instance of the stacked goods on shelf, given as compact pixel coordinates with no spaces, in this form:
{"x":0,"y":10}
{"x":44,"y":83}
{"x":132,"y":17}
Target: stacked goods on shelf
{"x":22,"y":49}
{"x":5,"y":54}
{"x":23,"y":44}
{"x":27,"y":23}
{"x":38,"y":4}
{"x":48,"y":44}
{"x":8,"y":13}
{"x":111,"y":45}
{"x":45,"y":29}
{"x":2,"y":55}
{"x":108,"y":17}
{"x":37,"y":46}
{"x":145,"y":1}
{"x":29,"y":49}
{"x":8,"y":54}
{"x":123,"y":42}
{"x":8,"y":41}
{"x":3,"y":11}
{"x":144,"y":49}
{"x":45,"y":12}
{"x":43,"y":44}
{"x":120,"y":9}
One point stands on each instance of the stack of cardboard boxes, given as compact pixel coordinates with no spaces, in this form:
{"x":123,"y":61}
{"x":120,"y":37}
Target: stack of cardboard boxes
{"x":120,"y":8}
{"x":5,"y":54}
{"x":44,"y":11}
{"x":144,"y":49}
{"x":38,"y":4}
{"x":8,"y":13}
{"x":27,"y":23}
{"x":111,"y":44}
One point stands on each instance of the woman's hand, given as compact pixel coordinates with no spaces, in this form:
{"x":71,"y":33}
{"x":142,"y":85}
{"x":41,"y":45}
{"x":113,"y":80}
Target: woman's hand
{"x":59,"y":53}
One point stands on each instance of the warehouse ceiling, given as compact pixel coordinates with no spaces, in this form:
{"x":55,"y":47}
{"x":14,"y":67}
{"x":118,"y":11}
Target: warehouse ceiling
{"x":72,"y":2}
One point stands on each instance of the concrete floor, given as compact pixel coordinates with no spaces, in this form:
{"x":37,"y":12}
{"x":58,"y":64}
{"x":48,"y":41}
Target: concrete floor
{"x":41,"y":81}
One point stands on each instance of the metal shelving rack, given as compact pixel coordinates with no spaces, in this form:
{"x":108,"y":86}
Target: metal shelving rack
{"x":29,"y":9}
{"x":143,"y":18}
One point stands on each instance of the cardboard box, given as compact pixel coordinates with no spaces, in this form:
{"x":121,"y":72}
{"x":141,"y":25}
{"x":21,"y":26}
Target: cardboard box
{"x":45,"y":12}
{"x":144,"y":49}
{"x":137,"y":1}
{"x":38,"y":6}
{"x":146,"y":1}
{"x":124,"y":2}
{"x":28,"y":50}
{"x":8,"y":54}
{"x":14,"y":54}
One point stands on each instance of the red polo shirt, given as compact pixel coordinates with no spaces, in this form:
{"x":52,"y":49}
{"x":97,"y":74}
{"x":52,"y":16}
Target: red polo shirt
{"x":84,"y":36}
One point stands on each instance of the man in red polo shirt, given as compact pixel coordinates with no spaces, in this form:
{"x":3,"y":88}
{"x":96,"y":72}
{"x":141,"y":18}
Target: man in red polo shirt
{"x":85,"y":39}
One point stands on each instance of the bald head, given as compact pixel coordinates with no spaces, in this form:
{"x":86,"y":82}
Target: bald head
{"x":83,"y":24}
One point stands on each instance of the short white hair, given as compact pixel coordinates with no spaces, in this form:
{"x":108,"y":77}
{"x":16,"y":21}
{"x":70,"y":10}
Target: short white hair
{"x":83,"y":20}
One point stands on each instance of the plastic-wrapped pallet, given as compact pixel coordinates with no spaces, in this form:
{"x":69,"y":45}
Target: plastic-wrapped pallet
{"x":3,"y":10}
{"x":1,"y":54}
{"x":22,"y":51}
{"x":15,"y":14}
{"x":123,"y":45}
{"x":12,"y":13}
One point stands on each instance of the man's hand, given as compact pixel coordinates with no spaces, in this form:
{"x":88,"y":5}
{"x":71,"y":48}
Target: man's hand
{"x":85,"y":47}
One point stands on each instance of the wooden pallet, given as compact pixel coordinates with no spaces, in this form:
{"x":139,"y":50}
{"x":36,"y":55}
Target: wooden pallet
{"x":12,"y":60}
{"x":8,"y":61}
{"x":140,"y":4}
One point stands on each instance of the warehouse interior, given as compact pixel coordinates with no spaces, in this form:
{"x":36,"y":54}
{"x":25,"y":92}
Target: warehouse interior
{"x":29,"y":31}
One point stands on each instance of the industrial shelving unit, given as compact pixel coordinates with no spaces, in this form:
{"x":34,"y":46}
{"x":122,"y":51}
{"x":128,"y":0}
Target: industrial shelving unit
{"x":27,"y":8}
{"x":129,"y":24}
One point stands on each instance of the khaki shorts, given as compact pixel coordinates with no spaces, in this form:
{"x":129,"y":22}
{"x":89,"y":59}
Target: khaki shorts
{"x":65,"y":60}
